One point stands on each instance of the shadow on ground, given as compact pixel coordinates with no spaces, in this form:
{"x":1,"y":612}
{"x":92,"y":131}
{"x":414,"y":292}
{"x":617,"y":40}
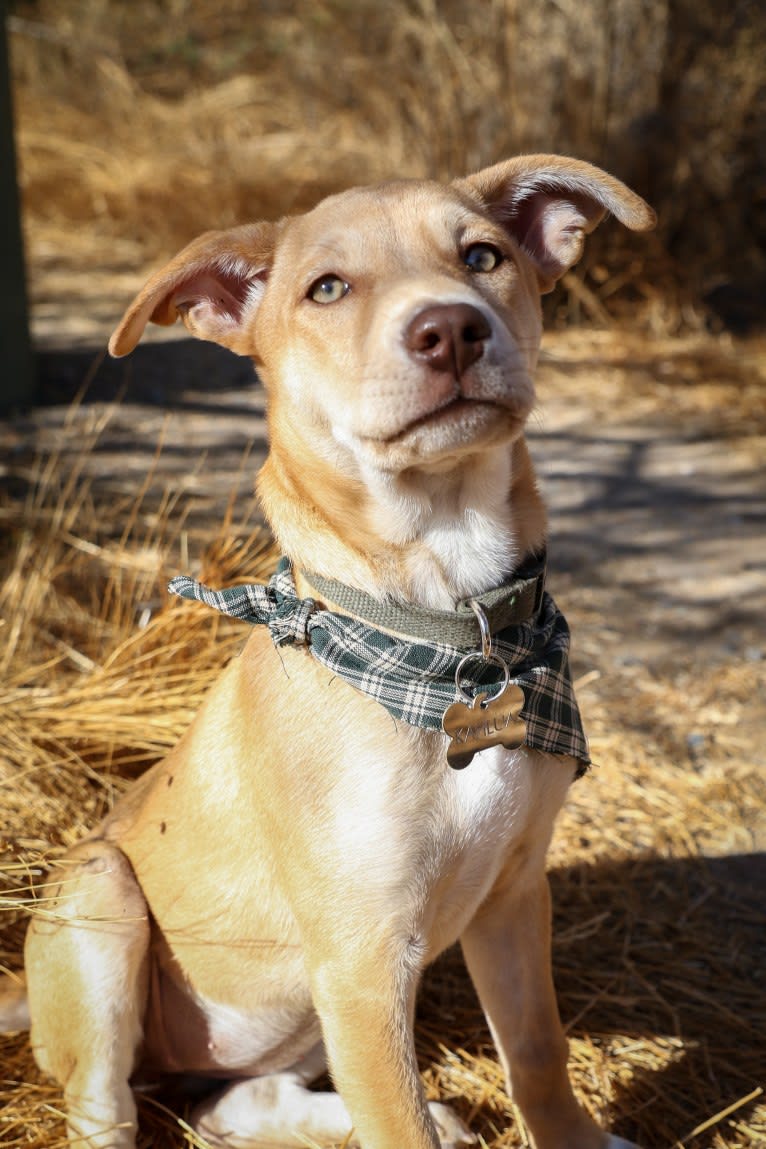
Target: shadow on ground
{"x":670,"y":953}
{"x":159,"y":374}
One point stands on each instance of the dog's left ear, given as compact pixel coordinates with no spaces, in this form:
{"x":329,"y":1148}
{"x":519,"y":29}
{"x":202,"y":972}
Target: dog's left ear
{"x":214,"y":285}
{"x":550,"y":203}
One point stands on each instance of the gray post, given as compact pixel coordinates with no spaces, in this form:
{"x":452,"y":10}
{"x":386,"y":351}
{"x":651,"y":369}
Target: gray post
{"x":17,"y":376}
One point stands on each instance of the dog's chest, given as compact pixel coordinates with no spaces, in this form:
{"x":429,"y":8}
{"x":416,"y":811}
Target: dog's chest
{"x":497,"y":812}
{"x":490,"y":797}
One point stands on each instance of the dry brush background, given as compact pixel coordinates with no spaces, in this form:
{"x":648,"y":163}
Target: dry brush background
{"x":142,"y":124}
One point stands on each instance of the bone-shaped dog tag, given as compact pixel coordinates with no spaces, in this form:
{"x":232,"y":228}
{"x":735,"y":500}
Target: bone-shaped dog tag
{"x":482,"y":722}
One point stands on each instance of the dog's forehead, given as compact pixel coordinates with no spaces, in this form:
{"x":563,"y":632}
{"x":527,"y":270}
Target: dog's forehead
{"x":393,"y":217}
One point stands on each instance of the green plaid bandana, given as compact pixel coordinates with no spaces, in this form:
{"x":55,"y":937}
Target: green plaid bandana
{"x":415,"y":681}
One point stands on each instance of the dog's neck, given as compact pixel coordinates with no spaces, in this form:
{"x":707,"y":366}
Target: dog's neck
{"x":429,"y":538}
{"x":458,"y":530}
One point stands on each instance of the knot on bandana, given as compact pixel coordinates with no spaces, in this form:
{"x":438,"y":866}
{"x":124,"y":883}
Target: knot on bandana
{"x":294,"y":626}
{"x":275,"y":604}
{"x":415,"y":680}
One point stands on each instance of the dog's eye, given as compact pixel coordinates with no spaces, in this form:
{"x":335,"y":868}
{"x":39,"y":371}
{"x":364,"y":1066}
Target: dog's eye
{"x":328,"y":289}
{"x":482,"y":257}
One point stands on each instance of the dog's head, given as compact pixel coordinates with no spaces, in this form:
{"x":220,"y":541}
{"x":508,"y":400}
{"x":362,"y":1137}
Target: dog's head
{"x":396,"y":328}
{"x":403,"y":320}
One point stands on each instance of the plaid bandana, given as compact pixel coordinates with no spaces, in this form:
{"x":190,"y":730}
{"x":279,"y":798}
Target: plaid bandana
{"x":415,"y":681}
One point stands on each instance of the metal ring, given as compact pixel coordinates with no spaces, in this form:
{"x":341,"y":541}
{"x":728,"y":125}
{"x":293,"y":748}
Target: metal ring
{"x":495,"y":660}
{"x":486,"y":633}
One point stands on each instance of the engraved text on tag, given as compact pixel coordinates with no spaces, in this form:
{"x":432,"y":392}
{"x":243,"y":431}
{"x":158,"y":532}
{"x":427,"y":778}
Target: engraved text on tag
{"x":474,"y":725}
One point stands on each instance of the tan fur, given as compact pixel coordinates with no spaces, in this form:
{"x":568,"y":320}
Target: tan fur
{"x":274,"y":887}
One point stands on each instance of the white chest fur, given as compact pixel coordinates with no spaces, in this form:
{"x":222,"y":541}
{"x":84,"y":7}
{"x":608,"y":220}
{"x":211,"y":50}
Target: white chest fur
{"x":497,"y":812}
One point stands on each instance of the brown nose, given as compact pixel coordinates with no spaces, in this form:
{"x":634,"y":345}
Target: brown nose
{"x":447,"y":337}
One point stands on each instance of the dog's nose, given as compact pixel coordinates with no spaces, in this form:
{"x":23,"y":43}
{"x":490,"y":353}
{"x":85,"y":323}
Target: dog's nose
{"x":448,"y":336}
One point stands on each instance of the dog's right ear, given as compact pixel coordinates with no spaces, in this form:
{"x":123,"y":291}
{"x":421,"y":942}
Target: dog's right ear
{"x":550,"y":203}
{"x":214,"y":285}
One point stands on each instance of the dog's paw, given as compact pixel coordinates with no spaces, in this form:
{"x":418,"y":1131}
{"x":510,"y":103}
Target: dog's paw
{"x":452,"y":1131}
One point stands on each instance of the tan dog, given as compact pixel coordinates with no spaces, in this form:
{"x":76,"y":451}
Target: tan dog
{"x":274,"y":888}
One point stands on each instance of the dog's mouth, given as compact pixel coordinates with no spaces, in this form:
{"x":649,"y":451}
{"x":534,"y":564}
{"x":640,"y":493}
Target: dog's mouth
{"x":454,"y":408}
{"x":460,"y":415}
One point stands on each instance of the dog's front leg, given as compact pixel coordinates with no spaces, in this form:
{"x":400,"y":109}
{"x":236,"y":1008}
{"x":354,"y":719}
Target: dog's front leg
{"x":366,"y":1005}
{"x":507,"y":950}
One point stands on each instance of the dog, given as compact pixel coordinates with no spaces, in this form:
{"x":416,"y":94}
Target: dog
{"x":261,"y":904}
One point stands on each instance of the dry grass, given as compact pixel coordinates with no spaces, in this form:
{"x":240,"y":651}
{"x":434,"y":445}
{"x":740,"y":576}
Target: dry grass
{"x":142,"y":125}
{"x":659,"y":950}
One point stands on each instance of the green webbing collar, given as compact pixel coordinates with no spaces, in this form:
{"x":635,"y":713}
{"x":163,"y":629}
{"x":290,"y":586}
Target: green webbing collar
{"x":415,"y":680}
{"x":506,"y":605}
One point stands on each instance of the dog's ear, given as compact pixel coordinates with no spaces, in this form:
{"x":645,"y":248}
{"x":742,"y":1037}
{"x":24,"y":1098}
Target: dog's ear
{"x":214,"y":285}
{"x":550,"y":203}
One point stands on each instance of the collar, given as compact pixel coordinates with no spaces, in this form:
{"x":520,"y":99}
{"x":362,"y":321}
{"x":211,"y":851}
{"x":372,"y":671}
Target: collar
{"x":415,"y":680}
{"x":509,"y":604}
